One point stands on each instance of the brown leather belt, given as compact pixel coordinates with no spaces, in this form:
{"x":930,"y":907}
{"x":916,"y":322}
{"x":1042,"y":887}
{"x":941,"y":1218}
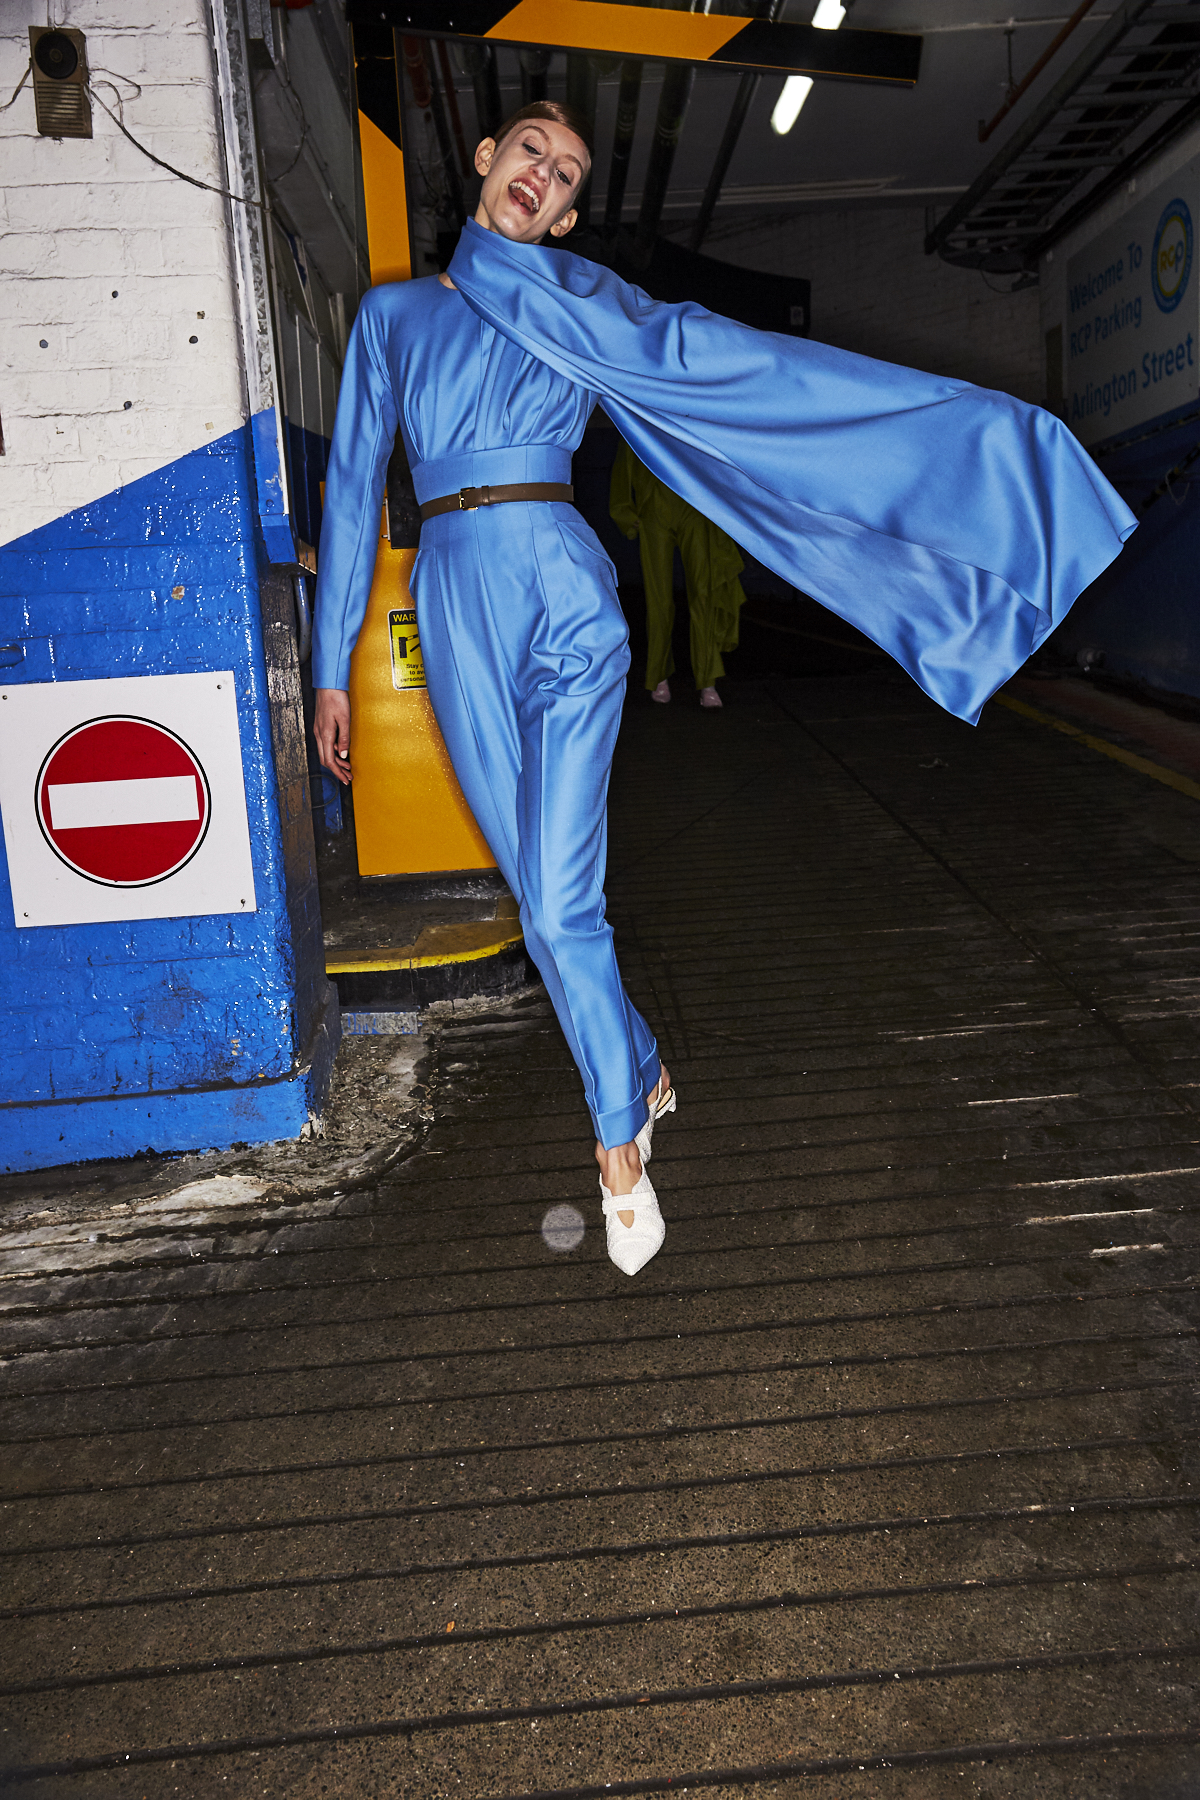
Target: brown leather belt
{"x":469,"y":499}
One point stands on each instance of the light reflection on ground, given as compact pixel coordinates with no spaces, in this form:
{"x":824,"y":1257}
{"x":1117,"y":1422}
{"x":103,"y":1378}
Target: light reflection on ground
{"x":563,"y":1228}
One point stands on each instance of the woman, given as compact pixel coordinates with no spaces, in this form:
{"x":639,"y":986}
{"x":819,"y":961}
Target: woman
{"x":954,"y":526}
{"x":523,"y":638}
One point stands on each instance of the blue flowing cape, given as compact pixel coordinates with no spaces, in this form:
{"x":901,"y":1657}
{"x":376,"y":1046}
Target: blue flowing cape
{"x":953,"y":525}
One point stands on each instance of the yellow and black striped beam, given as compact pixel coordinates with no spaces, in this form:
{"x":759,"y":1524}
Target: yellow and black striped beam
{"x":381,"y":144}
{"x":658,"y":34}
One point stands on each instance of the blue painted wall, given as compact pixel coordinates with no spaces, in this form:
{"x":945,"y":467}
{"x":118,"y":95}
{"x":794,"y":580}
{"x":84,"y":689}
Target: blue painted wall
{"x":1144,"y":612}
{"x":168,"y":1034}
{"x":308,"y":457}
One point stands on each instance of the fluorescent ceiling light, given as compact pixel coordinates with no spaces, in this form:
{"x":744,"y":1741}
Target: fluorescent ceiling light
{"x":797,"y":88}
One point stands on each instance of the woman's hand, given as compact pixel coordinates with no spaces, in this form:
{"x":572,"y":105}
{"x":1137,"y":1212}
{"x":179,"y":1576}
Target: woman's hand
{"x":331,"y":729}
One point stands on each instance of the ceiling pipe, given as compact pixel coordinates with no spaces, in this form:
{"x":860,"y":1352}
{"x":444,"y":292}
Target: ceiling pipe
{"x":452,"y":103}
{"x":733,"y":129}
{"x":1076,"y":18}
{"x":672,"y":110}
{"x":673,"y":98}
{"x":581,"y":85}
{"x":418,"y":75}
{"x":481,"y":67}
{"x":534,"y":66}
{"x":581,"y":94}
{"x":441,"y":125}
{"x":628,"y":95}
{"x":428,"y":97}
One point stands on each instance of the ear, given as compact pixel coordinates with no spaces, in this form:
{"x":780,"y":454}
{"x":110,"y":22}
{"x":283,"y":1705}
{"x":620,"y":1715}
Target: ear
{"x":484,"y":155}
{"x":563,"y":225}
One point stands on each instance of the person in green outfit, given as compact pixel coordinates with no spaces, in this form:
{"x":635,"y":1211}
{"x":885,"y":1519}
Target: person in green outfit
{"x":644,"y":508}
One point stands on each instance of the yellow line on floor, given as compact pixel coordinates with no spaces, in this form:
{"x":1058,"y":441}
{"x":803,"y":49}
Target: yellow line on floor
{"x":407,"y":960}
{"x":1183,"y":784}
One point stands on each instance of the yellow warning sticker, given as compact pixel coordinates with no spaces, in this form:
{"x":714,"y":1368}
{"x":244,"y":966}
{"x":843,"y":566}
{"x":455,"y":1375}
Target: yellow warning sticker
{"x":408,"y":667}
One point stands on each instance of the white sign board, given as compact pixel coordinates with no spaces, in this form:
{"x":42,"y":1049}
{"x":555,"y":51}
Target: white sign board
{"x":124,"y":799}
{"x":1133,"y":317}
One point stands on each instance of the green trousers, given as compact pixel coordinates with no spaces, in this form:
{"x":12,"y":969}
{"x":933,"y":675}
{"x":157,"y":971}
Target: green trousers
{"x":643,"y":507}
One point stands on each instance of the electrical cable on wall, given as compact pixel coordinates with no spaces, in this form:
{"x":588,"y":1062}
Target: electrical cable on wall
{"x":192,"y":180}
{"x":273,"y":179}
{"x":118,"y":120}
{"x":19,"y":86}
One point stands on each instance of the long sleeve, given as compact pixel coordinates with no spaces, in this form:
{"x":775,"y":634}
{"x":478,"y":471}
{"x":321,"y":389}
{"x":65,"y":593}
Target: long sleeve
{"x":363,"y":435}
{"x":954,"y":526}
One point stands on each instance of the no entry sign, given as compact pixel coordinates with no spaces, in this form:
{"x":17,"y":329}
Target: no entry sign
{"x":124,"y":799}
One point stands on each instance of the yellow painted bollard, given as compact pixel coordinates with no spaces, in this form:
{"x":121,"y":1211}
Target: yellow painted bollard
{"x":410,"y":817}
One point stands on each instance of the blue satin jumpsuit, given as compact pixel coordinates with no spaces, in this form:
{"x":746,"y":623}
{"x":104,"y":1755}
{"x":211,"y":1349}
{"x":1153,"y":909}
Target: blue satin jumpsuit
{"x":524,"y":641}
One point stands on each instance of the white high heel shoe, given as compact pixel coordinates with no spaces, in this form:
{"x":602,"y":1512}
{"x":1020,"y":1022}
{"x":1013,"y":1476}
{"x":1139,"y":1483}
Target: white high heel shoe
{"x":662,"y":1103}
{"x":632,"y":1246}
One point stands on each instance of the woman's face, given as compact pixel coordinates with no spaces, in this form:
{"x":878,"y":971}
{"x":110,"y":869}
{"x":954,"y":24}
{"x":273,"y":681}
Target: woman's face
{"x":530,"y":181}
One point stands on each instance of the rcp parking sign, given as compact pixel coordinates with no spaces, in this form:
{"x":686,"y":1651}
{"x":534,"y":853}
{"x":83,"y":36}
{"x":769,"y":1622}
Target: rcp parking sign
{"x":1132,"y":331}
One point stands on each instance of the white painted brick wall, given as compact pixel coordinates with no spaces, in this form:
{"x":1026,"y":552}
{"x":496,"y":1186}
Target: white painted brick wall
{"x":82,"y":218}
{"x":875,"y":291}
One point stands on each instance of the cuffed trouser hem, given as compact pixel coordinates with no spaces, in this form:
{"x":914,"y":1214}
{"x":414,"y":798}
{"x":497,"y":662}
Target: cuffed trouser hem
{"x":650,"y":1070}
{"x":622,"y":1125}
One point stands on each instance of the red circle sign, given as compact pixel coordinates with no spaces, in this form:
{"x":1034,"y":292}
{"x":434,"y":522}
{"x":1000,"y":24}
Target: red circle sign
{"x":122,"y":801}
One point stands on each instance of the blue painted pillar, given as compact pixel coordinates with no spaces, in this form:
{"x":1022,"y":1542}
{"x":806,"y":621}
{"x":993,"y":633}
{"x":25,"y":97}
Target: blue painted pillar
{"x":144,"y":532}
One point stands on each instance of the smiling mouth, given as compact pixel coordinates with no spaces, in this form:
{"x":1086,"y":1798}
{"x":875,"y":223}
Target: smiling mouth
{"x":525,"y":197}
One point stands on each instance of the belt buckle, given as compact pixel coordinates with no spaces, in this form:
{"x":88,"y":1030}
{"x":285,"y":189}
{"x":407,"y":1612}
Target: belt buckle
{"x":480,"y":498}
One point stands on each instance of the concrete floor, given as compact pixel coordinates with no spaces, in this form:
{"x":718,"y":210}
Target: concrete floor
{"x":879,"y":1481}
